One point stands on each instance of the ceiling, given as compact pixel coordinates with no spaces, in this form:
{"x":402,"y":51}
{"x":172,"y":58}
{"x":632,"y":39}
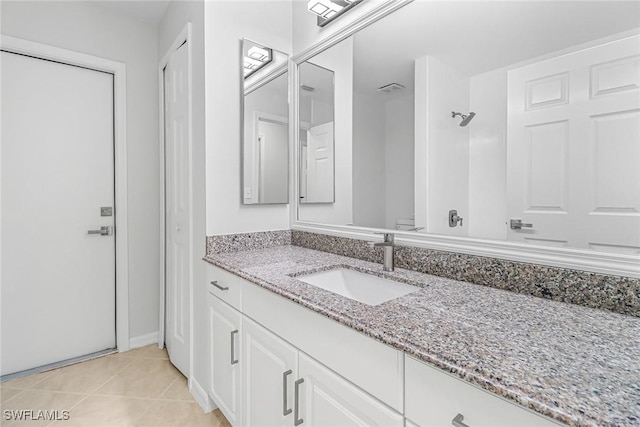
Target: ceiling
{"x":146,"y":11}
{"x":478,"y":36}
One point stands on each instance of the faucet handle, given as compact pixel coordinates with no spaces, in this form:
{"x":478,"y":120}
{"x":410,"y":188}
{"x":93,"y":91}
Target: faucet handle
{"x":388,"y":237}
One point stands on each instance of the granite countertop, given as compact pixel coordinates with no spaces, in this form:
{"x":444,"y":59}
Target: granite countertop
{"x":578,"y":365}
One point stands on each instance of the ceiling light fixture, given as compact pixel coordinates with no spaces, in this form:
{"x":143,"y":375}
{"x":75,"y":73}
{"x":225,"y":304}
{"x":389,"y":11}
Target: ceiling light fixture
{"x":328,"y":10}
{"x":254,"y":58}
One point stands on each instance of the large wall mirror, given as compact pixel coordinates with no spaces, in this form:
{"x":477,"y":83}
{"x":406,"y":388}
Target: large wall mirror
{"x":265,"y":125}
{"x":510,"y":121}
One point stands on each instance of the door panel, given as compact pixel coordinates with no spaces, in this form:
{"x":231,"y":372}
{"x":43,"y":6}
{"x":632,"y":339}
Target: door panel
{"x":58,"y":281}
{"x":225,"y":326}
{"x":573,"y":149}
{"x":320,"y":168}
{"x":177,"y":218}
{"x":268,"y":364}
{"x":329,"y":400}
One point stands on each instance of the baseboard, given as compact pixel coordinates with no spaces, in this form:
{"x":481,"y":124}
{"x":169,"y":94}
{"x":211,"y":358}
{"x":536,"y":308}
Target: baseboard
{"x":143,"y":340}
{"x":201,"y":396}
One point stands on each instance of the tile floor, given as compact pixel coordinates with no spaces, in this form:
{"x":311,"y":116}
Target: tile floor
{"x":138,"y":388}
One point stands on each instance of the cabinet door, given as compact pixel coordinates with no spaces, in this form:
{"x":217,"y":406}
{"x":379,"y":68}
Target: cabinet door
{"x":327,"y":399}
{"x":225,"y":388}
{"x":269,"y":368}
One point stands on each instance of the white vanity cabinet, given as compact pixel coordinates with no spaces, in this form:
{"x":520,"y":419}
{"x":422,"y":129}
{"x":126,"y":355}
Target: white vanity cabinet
{"x":269,"y":369}
{"x":225,"y":327}
{"x":277,"y":363}
{"x":435,"y":398}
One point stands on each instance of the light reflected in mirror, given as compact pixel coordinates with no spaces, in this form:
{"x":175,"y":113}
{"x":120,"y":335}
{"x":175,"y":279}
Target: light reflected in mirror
{"x":513,"y":121}
{"x":265,"y":125}
{"x":316,"y":153}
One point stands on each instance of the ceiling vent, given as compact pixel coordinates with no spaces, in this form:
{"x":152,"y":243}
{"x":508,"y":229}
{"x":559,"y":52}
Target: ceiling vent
{"x":390,"y":88}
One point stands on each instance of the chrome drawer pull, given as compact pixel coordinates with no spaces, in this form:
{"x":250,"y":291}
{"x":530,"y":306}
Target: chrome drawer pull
{"x":285,"y":410}
{"x":233,"y":348}
{"x":296,"y":407}
{"x":457,"y":421}
{"x":222,"y":288}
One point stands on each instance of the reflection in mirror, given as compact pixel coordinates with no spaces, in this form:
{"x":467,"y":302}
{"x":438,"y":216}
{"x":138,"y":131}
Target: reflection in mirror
{"x":265,"y":131}
{"x":316,"y":154}
{"x":495,"y":120}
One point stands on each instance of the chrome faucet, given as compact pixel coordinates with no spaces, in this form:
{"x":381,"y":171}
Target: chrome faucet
{"x":388,"y":246}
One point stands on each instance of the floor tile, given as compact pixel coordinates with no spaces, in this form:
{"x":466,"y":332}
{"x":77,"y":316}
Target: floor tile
{"x":147,"y":378}
{"x":137,"y":388}
{"x":8,"y":393}
{"x":178,"y":390}
{"x":173,"y":413}
{"x":106,"y":411}
{"x":26,"y":382}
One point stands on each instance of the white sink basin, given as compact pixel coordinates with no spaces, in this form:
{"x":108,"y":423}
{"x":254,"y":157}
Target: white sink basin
{"x":363,"y":287}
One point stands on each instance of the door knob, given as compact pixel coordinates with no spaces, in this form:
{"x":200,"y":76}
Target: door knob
{"x":105,"y":230}
{"x":517,"y":224}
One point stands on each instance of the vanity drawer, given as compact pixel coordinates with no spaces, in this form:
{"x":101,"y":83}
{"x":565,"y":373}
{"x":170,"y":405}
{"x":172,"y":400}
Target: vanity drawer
{"x":226,"y":286}
{"x":434,"y":398}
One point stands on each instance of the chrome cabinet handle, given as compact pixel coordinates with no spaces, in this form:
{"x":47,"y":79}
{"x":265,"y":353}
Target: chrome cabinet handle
{"x":233,"y":348}
{"x":296,"y":404}
{"x":222,"y":288}
{"x":105,"y":230}
{"x":285,"y":410}
{"x":457,"y":421}
{"x":517,"y":224}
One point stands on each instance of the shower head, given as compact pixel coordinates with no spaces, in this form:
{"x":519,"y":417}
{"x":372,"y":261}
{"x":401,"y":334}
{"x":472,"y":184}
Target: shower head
{"x":466,"y":118}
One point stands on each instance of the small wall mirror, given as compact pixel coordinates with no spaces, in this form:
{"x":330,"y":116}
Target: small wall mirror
{"x":265,"y":125}
{"x":316,"y":153}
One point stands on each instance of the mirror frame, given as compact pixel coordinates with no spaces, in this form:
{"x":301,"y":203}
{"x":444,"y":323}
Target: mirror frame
{"x":244,"y":91}
{"x":567,"y":258}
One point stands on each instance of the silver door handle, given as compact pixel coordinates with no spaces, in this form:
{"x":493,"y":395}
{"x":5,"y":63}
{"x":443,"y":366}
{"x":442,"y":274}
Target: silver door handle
{"x":457,"y":421}
{"x":285,"y":410}
{"x":233,"y":348}
{"x":222,"y":288}
{"x":105,"y":230}
{"x":296,"y":403}
{"x":517,"y":224}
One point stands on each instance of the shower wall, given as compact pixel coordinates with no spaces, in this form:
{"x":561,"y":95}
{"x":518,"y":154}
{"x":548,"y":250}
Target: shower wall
{"x":442,"y":146}
{"x":488,"y":155}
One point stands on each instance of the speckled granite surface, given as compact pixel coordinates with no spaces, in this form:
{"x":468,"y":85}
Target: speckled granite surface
{"x":247,"y":241}
{"x":618,"y":294}
{"x":575,"y":364}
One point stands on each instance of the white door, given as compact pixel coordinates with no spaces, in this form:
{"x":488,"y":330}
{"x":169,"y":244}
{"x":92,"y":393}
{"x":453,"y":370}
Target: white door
{"x":177,"y":209}
{"x":225,"y":324}
{"x":574,"y":149}
{"x":269,"y":369}
{"x":326,"y":399}
{"x":320,"y":182}
{"x":58,"y":281}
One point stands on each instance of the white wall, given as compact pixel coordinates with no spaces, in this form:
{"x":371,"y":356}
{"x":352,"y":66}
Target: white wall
{"x":442,"y":146}
{"x":174,"y":20}
{"x":399,"y":159}
{"x":369,"y":189}
{"x":86,"y":28}
{"x":226,"y":23}
{"x":488,"y":156}
{"x":339,"y":59}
